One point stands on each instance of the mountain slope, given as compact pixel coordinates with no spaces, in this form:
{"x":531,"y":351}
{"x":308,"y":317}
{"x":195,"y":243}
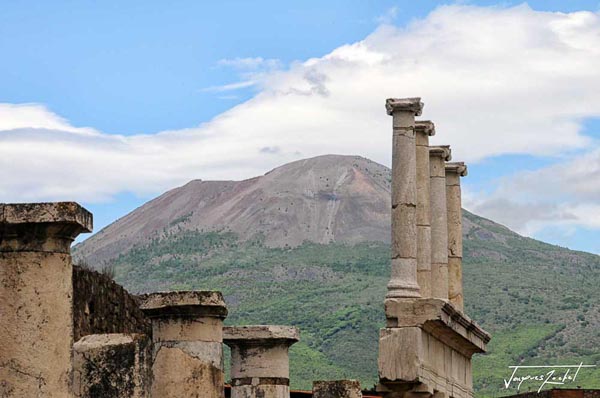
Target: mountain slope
{"x":323,"y":199}
{"x":322,"y":264}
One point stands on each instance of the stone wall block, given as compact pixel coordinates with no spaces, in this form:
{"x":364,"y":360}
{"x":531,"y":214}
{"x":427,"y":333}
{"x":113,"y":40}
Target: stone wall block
{"x":112,"y":365}
{"x":337,"y":389}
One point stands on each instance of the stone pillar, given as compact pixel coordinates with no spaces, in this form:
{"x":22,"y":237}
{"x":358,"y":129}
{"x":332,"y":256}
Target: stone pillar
{"x":259,"y":360}
{"x":36,"y":317}
{"x":403,"y":281}
{"x":438,"y":155}
{"x":455,"y":245}
{"x":423,"y":130}
{"x":337,"y":389}
{"x":112,"y":366}
{"x":187,"y":333}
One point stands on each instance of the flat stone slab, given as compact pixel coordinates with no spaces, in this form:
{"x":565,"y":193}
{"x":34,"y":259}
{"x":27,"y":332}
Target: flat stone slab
{"x":260,"y":332}
{"x":183,"y":304}
{"x":47,"y":213}
{"x":439,"y":318}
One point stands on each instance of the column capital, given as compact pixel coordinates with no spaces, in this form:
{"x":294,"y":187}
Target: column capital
{"x":425,"y":127}
{"x":459,"y":168}
{"x":413,"y":105}
{"x":442,"y":151}
{"x":42,"y":227}
{"x":184,"y":304}
{"x":260,"y":334}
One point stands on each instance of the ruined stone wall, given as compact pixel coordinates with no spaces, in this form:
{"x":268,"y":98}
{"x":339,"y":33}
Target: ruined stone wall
{"x":102,"y":306}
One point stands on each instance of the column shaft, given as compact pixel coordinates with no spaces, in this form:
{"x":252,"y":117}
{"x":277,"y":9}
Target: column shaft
{"x":260,"y":360}
{"x":455,"y":245}
{"x":36,"y":317}
{"x":187,"y":332}
{"x":423,"y":129}
{"x":439,"y":222}
{"x":403,"y":281}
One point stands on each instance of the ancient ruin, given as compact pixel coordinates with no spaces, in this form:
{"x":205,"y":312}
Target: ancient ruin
{"x":428,"y":343}
{"x":100,"y":341}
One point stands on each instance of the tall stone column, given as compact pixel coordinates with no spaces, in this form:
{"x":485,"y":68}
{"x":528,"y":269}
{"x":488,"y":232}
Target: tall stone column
{"x":187,"y":333}
{"x":36,"y":316}
{"x":438,"y":155}
{"x":423,"y":130}
{"x":403,"y":281}
{"x":455,"y":244}
{"x":259,"y":360}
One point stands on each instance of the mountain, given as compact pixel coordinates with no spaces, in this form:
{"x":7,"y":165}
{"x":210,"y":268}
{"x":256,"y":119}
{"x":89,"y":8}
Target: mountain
{"x":307,"y":244}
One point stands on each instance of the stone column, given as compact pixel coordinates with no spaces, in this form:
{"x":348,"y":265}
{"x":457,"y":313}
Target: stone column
{"x":36,"y":317}
{"x":423,"y":130}
{"x":438,"y":155}
{"x":187,"y":332}
{"x":403,"y":281}
{"x":455,"y":245}
{"x":337,"y":389}
{"x":259,"y":360}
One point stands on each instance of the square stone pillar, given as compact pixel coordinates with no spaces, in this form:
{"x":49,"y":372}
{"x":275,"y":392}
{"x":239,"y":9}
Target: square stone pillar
{"x":403,"y":281}
{"x":260,"y":360}
{"x":455,"y":244}
{"x":112,"y":366}
{"x":36,"y":325}
{"x":337,"y":389}
{"x":423,"y":130}
{"x":438,"y":155}
{"x":187,"y":333}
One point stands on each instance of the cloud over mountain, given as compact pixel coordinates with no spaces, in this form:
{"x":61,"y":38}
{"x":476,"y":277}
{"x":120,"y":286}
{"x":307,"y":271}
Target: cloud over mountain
{"x":495,"y":80}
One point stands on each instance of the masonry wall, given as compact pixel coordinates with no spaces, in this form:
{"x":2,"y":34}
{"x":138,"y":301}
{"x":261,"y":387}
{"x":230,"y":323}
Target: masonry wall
{"x":102,"y":306}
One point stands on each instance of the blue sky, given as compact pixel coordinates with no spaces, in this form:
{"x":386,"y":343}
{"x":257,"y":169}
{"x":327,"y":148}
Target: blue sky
{"x":98,"y":75}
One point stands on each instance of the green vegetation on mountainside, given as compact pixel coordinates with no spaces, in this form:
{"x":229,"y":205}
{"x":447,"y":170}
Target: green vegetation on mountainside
{"x":539,"y":301}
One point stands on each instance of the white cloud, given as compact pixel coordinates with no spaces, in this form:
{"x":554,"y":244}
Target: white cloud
{"x":16,"y":116}
{"x":565,"y":194}
{"x":495,"y":81}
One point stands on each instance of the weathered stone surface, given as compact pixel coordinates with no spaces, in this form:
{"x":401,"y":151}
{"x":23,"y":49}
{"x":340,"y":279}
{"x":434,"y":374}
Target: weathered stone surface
{"x":36,"y":330}
{"x":102,"y":306}
{"x":404,"y":196}
{"x":423,"y":129}
{"x":179,"y":374}
{"x":256,"y":390}
{"x":47,"y":227}
{"x":455,"y":245}
{"x":260,"y":360}
{"x":36,"y":326}
{"x":337,"y":389}
{"x":413,"y":105}
{"x":51,"y":213}
{"x":183,"y":304}
{"x":416,"y":362}
{"x":439,"y":221}
{"x":112,"y":365}
{"x":187,"y":333}
{"x":439,"y":318}
{"x":400,"y":354}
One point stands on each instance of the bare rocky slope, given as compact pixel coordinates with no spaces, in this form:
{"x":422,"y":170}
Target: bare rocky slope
{"x":325,"y":199}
